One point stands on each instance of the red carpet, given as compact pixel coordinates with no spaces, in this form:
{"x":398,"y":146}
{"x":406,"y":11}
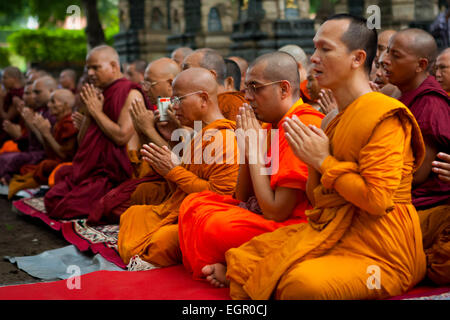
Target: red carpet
{"x":172,"y":283}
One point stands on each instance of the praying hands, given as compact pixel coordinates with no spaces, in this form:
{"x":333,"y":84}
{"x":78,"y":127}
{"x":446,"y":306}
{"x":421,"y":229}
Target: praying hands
{"x":160,"y":158}
{"x":92,"y":98}
{"x":309,"y":143}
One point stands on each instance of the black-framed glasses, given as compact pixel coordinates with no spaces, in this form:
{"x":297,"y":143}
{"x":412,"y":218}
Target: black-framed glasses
{"x":177,"y":100}
{"x":253,"y":87}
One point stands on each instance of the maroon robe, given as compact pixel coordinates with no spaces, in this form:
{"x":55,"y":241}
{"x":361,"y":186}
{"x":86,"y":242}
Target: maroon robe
{"x":98,"y":166}
{"x":7,"y":102}
{"x":429,"y":104}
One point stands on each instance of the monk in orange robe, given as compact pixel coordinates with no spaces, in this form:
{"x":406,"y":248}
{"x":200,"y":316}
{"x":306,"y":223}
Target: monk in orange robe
{"x":150,"y":232}
{"x":209,"y":223}
{"x":229,"y":101}
{"x":60,"y":142}
{"x":363,"y":237}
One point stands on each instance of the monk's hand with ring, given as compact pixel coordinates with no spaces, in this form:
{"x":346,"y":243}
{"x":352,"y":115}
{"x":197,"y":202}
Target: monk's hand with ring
{"x":248,"y":129}
{"x":92,"y":98}
{"x":160,"y":158}
{"x":309,"y":143}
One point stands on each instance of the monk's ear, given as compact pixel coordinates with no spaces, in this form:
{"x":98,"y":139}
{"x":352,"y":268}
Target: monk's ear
{"x":286,"y":89}
{"x":229,"y":84}
{"x":359,"y":58}
{"x":422,"y":65}
{"x":214,"y":73}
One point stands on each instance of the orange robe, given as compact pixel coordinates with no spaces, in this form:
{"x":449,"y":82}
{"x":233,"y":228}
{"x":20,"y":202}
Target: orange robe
{"x":210,"y":224}
{"x":230,"y":102}
{"x":363,"y":238}
{"x":151,"y":231}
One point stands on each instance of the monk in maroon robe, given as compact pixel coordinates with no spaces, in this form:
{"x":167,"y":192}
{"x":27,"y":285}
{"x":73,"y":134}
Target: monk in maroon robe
{"x":410,"y":53}
{"x":101,"y":162}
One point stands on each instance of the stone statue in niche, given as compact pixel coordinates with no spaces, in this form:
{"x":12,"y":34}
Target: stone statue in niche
{"x":157,"y":19}
{"x":214,"y":22}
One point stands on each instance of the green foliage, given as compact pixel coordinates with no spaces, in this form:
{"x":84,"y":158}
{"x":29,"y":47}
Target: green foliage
{"x":4,"y":57}
{"x":59,"y":45}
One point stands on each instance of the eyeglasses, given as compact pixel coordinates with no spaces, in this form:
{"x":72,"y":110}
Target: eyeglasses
{"x":146,"y":85}
{"x":177,"y":100}
{"x":253,"y":88}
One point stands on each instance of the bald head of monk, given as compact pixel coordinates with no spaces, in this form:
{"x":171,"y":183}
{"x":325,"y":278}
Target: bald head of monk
{"x":272,"y":85}
{"x":42,"y":88}
{"x":179,"y":54}
{"x":68,"y":79}
{"x":299,"y":56}
{"x":243,"y":65}
{"x":158,"y":78}
{"x":443,"y":69}
{"x":103,"y":66}
{"x":61,"y":103}
{"x":383,"y":41}
{"x":411,"y":53}
{"x":135,"y":71}
{"x":12,"y":78}
{"x":195,"y":95}
{"x":209,"y":59}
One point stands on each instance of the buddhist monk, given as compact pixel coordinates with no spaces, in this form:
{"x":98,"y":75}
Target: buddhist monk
{"x":101,"y":162}
{"x":243,"y":65}
{"x":146,"y":186}
{"x":229,"y":102}
{"x":442,"y":167}
{"x":60,"y":141}
{"x":135,"y":71}
{"x":210,"y":223}
{"x":151,"y":232}
{"x":299,"y":56}
{"x":13,"y":83}
{"x":68,"y":80}
{"x":233,"y":76}
{"x":381,"y":82}
{"x":443,"y":70}
{"x":179,"y":54}
{"x":363,"y":238}
{"x":407,"y":65}
{"x":30,"y":143}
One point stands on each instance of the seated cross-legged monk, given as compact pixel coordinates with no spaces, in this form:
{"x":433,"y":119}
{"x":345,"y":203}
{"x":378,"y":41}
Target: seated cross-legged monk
{"x":60,"y":141}
{"x":158,"y":78}
{"x":229,"y":101}
{"x":209,"y":223}
{"x":363,"y":237}
{"x":209,"y":162}
{"x":101,"y":162}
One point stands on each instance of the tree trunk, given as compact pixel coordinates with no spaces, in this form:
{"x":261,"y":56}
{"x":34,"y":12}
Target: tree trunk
{"x":94,"y":31}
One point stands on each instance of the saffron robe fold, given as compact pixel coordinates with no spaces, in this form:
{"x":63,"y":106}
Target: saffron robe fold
{"x":429,"y":104}
{"x":230,"y":102}
{"x":151,"y":231}
{"x":98,"y":166}
{"x":363,"y":226}
{"x":210,"y":224}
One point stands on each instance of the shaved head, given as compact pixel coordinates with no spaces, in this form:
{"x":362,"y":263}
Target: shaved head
{"x":179,"y":54}
{"x":159,"y":76}
{"x":443,"y":69}
{"x":209,"y":59}
{"x":296,"y":52}
{"x":65,"y":96}
{"x":241,"y":62}
{"x":47,"y":81}
{"x":198,"y":89}
{"x":383,"y":40}
{"x":419,"y":42}
{"x":204,"y":81}
{"x":280,"y":66}
{"x":13,"y":72}
{"x":107,"y":53}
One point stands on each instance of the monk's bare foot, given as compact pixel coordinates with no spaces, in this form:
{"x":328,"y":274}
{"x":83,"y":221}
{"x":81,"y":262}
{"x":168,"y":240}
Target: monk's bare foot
{"x":216,"y":275}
